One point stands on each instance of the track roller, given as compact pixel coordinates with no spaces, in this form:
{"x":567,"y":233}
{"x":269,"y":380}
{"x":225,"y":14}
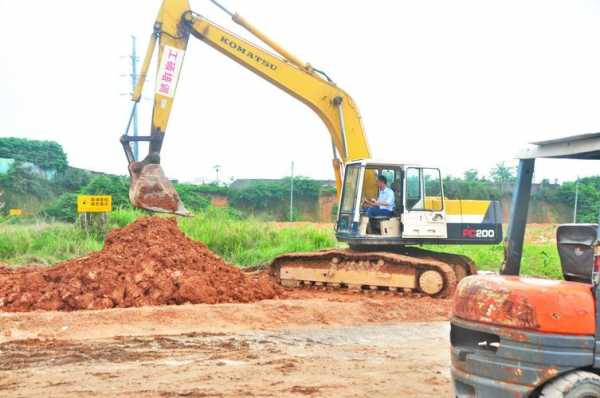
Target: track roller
{"x":366,"y":271}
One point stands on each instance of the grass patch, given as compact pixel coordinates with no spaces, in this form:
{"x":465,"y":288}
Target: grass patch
{"x":538,"y":260}
{"x":248,"y":242}
{"x":242,"y":241}
{"x":44,"y":243}
{"x":245,"y":242}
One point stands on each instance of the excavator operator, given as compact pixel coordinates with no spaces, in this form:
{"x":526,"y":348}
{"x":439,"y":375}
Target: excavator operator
{"x":385,"y":203}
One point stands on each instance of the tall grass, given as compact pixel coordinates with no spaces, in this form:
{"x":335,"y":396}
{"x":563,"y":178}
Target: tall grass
{"x":249,"y":241}
{"x":245,"y":242}
{"x":44,"y":243}
{"x":537,"y":260}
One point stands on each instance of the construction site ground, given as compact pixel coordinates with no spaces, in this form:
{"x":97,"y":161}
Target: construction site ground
{"x":311,"y":343}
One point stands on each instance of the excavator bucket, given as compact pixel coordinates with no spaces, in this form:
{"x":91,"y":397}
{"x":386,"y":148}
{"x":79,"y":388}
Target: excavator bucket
{"x":151,"y":190}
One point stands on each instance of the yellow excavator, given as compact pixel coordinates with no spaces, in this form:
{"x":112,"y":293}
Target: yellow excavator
{"x":382,"y":253}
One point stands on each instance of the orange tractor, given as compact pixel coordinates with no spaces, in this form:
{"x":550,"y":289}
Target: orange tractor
{"x":515,"y":336}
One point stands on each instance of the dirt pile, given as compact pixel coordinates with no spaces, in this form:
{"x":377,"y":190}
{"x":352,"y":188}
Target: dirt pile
{"x":149,"y":262}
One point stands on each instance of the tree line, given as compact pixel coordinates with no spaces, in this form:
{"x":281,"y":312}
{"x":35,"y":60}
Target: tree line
{"x":56,"y":198}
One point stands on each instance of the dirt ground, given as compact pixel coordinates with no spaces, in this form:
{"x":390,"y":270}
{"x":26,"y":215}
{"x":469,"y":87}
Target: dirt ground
{"x":315,"y":344}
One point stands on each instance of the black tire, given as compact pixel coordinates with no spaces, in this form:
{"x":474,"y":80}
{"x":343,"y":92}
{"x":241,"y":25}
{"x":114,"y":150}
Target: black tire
{"x":578,"y":384}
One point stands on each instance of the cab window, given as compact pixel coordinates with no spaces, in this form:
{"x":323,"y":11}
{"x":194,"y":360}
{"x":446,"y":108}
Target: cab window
{"x":424,"y":189}
{"x":413,"y":189}
{"x":389,"y":174}
{"x":370,"y":189}
{"x":432,"y":181}
{"x":350,"y":187}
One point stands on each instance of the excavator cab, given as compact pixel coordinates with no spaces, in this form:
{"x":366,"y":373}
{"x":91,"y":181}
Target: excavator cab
{"x":421,"y":212}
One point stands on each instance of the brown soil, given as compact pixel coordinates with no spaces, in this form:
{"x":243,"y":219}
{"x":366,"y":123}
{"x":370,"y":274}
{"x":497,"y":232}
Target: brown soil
{"x":318,"y":344}
{"x":149,"y":262}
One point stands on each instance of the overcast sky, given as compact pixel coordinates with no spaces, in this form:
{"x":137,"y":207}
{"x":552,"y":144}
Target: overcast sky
{"x":457,"y":84}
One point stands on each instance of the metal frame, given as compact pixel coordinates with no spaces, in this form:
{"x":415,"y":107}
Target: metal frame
{"x":585,"y":146}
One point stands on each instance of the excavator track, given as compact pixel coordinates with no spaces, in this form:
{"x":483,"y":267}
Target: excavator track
{"x":462,"y":265}
{"x":360,"y":271}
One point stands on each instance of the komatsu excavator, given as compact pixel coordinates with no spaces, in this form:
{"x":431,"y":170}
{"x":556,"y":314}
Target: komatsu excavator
{"x":382,"y":254}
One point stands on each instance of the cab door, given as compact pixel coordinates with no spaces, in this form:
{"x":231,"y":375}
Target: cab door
{"x":424,"y":215}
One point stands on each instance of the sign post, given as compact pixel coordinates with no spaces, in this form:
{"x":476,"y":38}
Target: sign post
{"x":90,"y":205}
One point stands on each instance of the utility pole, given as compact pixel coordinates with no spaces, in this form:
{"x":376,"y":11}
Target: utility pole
{"x":576,"y":200}
{"x":134,"y":78}
{"x":292,"y":194}
{"x":217,"y":169}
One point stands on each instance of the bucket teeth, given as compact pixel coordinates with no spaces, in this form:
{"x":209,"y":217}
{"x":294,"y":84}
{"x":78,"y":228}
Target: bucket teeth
{"x":151,"y":190}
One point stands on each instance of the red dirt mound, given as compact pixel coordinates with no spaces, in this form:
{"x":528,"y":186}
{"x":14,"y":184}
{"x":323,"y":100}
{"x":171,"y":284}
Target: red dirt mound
{"x":149,"y":262}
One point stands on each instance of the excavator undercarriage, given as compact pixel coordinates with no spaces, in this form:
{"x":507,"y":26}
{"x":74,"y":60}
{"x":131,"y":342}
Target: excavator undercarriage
{"x":407,"y":270}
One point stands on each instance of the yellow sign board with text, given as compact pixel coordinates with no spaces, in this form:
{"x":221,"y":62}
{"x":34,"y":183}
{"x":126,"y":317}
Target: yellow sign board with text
{"x":94,"y":203}
{"x":15,"y":212}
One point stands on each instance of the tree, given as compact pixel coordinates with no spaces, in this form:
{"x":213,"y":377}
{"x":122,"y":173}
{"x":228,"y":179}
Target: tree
{"x":272,"y":197}
{"x":47,"y":155}
{"x":72,"y":179}
{"x":471,"y":175}
{"x":21,"y":180}
{"x":503,"y":176}
{"x":63,"y":208}
{"x":193,"y":196}
{"x":116,"y":186}
{"x":588,"y":199}
{"x":471,"y":186}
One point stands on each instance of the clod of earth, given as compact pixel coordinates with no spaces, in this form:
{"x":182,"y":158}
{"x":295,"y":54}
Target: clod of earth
{"x":149,"y":262}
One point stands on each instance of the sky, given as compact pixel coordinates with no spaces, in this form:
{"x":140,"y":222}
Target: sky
{"x":454,"y":84}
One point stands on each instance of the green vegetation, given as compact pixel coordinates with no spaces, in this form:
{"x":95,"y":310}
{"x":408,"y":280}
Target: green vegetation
{"x":588,"y":200}
{"x":538,"y":260}
{"x":248,"y":242}
{"x":244,"y":242}
{"x":271,"y":199}
{"x":116,"y":186}
{"x":193,"y":196}
{"x":46,"y":238}
{"x":43,"y":243}
{"x":63,"y":208}
{"x":48,"y":155}
{"x":23,"y":188}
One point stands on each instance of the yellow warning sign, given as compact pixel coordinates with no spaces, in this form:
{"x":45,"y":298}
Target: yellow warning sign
{"x":15,"y":212}
{"x":94,"y":203}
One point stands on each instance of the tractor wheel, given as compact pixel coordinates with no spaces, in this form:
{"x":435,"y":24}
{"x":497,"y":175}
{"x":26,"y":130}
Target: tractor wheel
{"x":578,"y":384}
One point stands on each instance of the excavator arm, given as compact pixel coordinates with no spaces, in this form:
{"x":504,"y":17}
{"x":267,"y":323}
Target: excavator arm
{"x":175,"y":23}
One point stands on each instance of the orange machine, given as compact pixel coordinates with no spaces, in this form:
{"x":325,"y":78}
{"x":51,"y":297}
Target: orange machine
{"x":514,"y":336}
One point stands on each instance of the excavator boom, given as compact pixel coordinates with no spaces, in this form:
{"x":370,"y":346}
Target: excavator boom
{"x":150,"y":189}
